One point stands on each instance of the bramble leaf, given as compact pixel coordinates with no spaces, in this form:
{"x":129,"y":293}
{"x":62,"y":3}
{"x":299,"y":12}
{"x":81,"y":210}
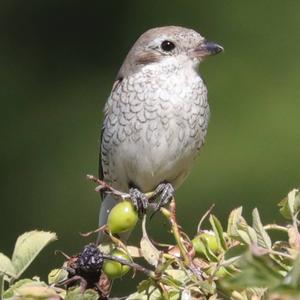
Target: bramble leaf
{"x":290,"y":205}
{"x":6,"y":266}
{"x":218,"y":230}
{"x":28,"y":246}
{"x":263,"y":239}
{"x":76,"y":294}
{"x":235,"y":221}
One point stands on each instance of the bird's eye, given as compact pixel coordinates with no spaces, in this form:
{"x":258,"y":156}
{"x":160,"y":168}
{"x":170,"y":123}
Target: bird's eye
{"x":167,"y":46}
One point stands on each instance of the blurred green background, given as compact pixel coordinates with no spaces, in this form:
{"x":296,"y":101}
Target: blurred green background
{"x":58,"y":60}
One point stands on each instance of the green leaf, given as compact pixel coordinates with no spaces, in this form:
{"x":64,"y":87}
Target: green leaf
{"x":290,"y":205}
{"x":28,"y":246}
{"x":233,"y":254}
{"x":57,"y":275}
{"x":178,"y":275}
{"x":31,"y":290}
{"x":75,"y":294}
{"x":284,"y":208}
{"x":244,"y":237}
{"x":218,"y":230}
{"x":144,"y":285}
{"x":235,"y":221}
{"x":152,"y":293}
{"x":252,"y":235}
{"x":247,"y":235}
{"x":11,"y":290}
{"x":293,"y":278}
{"x":90,"y":295}
{"x":6,"y":266}
{"x":256,"y":271}
{"x":263,"y":239}
{"x":36,"y":292}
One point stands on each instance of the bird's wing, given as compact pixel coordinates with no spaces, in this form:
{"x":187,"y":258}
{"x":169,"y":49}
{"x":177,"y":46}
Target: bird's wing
{"x":100,"y":171}
{"x":101,"y":175}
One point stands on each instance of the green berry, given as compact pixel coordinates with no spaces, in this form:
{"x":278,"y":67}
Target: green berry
{"x":205,"y":239}
{"x":123,"y":217}
{"x":114,"y":269}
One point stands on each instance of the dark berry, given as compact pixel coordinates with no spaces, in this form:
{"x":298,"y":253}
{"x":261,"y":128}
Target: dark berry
{"x":90,"y":260}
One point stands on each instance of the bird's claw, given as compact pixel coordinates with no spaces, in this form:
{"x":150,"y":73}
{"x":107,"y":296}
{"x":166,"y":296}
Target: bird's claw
{"x":139,"y":200}
{"x":166,"y":192}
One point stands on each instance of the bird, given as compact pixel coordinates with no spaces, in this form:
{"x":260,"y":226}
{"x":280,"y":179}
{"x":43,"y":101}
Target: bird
{"x":155,"y":118}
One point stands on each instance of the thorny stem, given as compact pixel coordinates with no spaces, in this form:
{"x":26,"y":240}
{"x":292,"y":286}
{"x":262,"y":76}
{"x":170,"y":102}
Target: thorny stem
{"x":103,"y":186}
{"x":170,"y":214}
{"x":87,"y":234}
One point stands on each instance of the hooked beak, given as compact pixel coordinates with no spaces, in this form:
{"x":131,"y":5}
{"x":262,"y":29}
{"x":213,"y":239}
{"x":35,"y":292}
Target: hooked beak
{"x":207,"y":49}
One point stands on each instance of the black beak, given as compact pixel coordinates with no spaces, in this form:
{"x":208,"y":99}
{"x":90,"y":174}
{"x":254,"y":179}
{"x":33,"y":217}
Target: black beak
{"x":207,"y":49}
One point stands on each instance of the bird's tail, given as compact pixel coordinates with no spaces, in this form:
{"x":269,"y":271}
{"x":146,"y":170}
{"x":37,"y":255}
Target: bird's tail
{"x":107,"y":205}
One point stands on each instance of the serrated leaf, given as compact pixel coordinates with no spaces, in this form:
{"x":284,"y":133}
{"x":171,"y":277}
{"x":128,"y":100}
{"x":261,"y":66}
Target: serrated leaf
{"x":234,"y":222}
{"x":90,"y":295}
{"x":294,"y":201}
{"x":9,"y":293}
{"x":6,"y":266}
{"x":244,"y":237}
{"x":149,"y":252}
{"x":256,"y":271}
{"x":252,"y":235}
{"x":178,"y":275}
{"x":76,"y":294}
{"x":284,"y":208}
{"x":290,"y":205}
{"x":233,"y":254}
{"x":218,"y":230}
{"x":36,"y":292}
{"x":263,"y":239}
{"x":153,"y":293}
{"x":28,"y":246}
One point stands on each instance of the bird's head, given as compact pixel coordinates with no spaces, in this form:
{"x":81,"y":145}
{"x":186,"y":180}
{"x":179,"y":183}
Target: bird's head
{"x":173,"y":43}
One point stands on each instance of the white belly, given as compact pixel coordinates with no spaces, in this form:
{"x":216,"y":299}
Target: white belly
{"x":153,"y":129}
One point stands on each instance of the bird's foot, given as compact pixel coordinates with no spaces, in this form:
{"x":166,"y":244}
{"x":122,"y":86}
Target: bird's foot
{"x":139,"y":200}
{"x":166,"y":192}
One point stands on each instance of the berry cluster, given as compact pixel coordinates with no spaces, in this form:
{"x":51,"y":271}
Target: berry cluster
{"x":90,"y":261}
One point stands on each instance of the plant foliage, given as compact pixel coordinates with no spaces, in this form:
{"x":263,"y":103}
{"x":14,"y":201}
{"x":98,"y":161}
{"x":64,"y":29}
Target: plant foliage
{"x":239,"y":263}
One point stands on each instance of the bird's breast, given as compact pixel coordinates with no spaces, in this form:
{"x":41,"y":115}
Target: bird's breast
{"x":155,"y":124}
